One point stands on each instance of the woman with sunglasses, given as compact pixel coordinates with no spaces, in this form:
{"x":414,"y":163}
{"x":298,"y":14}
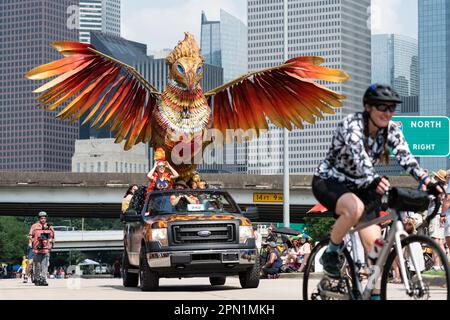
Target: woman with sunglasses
{"x":161,"y":176}
{"x":345,"y":181}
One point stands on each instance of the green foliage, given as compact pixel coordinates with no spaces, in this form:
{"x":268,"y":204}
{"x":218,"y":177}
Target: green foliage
{"x":13,"y":239}
{"x":67,"y":258}
{"x":102,"y":224}
{"x":318,"y":228}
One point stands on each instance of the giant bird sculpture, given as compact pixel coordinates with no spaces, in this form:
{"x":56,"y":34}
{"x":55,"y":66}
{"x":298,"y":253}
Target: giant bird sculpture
{"x":111,"y":92}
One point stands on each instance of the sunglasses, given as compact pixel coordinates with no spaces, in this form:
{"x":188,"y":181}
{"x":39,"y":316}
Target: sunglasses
{"x":385,"y":107}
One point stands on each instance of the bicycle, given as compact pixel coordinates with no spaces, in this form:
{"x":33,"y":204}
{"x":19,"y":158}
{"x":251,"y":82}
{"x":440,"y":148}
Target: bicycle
{"x":349,"y":286}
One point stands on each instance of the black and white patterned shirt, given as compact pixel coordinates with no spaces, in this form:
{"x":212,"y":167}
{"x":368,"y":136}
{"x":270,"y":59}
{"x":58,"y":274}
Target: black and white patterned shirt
{"x":348,"y":162}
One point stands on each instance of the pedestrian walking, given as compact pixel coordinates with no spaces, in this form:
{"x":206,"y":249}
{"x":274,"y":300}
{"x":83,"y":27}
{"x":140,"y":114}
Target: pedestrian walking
{"x":23,"y":269}
{"x":116,"y":269}
{"x":41,"y":239}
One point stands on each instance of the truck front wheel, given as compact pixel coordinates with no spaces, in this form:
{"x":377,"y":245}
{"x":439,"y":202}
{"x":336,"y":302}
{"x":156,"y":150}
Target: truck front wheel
{"x":129,"y":279}
{"x":250,"y":278}
{"x":148,"y":278}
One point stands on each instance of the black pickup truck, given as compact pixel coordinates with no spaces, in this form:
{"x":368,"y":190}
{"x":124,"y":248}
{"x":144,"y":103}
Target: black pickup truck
{"x":189,"y":233}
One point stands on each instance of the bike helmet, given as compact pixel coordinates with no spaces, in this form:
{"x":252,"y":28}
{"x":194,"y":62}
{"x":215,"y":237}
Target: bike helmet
{"x":377,"y":93}
{"x":42,"y":214}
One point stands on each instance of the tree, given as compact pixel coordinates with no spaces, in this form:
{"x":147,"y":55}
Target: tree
{"x":318,"y":228}
{"x":13,"y":239}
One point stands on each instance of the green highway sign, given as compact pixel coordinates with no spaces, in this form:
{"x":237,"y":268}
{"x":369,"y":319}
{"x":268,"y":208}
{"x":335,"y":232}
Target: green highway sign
{"x":426,"y":136}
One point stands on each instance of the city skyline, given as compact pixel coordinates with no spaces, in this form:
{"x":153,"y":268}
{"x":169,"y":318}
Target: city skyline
{"x":344,"y":43}
{"x":389,"y":16}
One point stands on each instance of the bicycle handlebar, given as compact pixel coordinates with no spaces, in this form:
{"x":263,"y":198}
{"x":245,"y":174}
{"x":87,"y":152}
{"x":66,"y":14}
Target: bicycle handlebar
{"x":402,"y":199}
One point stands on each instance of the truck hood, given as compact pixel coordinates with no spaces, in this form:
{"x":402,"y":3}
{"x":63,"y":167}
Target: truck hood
{"x":163,"y":220}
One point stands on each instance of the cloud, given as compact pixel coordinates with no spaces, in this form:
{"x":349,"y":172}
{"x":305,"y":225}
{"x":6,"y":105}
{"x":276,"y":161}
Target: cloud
{"x":160,"y":24}
{"x":394,"y":16}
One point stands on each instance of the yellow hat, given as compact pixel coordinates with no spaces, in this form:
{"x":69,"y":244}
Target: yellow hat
{"x":440,"y":175}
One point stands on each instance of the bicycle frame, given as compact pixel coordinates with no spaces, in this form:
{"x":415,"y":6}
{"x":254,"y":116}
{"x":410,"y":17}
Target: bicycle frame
{"x":393,"y":241}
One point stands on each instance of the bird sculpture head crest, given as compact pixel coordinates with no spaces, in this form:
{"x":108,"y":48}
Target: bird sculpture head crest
{"x":186,"y":63}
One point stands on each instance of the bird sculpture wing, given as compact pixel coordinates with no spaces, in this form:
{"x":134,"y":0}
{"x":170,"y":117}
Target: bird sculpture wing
{"x":113,"y":92}
{"x":285,"y":95}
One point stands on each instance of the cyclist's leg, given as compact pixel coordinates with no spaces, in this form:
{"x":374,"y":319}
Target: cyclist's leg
{"x":349,"y":209}
{"x":368,"y":236}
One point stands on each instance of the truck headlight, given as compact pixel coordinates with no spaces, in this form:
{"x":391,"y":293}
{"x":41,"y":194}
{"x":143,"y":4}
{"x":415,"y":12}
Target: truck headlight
{"x":160,"y":235}
{"x":245,"y":232}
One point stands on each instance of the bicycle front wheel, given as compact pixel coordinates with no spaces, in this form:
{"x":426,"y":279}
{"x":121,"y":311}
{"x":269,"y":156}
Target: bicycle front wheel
{"x":433,"y":284}
{"x":317,"y":286}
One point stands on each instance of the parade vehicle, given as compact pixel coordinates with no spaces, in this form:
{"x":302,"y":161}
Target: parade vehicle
{"x":189,"y":233}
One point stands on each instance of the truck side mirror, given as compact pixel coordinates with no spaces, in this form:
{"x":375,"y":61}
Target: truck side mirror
{"x":131,"y":215}
{"x":251,"y":213}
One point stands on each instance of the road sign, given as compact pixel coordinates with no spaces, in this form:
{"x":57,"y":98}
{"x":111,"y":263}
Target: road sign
{"x":426,"y":136}
{"x":267,"y":197}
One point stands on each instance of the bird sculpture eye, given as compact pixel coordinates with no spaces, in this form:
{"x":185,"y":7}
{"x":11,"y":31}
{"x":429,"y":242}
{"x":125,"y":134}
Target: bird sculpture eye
{"x":180,"y":68}
{"x":199,"y":69}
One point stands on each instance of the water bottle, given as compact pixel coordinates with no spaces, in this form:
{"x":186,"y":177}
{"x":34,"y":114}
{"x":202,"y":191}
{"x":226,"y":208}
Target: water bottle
{"x":377,"y":247}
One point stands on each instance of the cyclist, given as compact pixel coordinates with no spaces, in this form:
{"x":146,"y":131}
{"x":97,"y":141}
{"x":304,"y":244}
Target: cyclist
{"x":346,"y":182}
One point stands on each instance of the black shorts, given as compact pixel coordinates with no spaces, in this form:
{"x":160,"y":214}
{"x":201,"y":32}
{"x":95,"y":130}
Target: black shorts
{"x":328,"y":192}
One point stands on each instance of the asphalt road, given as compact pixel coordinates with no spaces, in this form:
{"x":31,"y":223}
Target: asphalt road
{"x":170,"y":289}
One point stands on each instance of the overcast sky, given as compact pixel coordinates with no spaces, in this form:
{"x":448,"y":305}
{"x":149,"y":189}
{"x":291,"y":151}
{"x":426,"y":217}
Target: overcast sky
{"x":161,"y":23}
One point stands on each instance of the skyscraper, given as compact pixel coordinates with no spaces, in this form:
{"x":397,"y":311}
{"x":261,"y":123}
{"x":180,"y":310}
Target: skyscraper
{"x":335,"y":30}
{"x":99,"y":15}
{"x":395,"y":62}
{"x":434,"y":53}
{"x":224,"y":44}
{"x":31,"y":139}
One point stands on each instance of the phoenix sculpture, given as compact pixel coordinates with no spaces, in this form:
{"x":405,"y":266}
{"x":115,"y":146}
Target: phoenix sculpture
{"x":109,"y":92}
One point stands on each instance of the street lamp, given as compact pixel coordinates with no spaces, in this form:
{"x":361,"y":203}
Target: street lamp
{"x":286,"y":217}
{"x":70,"y":251}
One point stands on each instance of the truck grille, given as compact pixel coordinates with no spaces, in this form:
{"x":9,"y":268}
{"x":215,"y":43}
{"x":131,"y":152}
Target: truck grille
{"x":190,"y":233}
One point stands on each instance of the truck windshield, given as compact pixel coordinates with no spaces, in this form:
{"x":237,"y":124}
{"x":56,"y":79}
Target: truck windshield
{"x":187,"y":202}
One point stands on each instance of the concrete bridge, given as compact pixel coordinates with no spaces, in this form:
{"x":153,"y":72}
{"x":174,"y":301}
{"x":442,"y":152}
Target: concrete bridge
{"x":88,"y":240}
{"x":99,"y":195}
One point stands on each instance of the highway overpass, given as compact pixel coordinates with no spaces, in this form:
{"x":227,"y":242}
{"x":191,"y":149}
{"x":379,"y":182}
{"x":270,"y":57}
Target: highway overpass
{"x":99,"y":195}
{"x":88,"y":240}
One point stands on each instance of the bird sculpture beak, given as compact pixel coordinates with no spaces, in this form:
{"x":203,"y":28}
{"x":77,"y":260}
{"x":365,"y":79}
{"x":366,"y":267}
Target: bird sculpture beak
{"x":191,"y":82}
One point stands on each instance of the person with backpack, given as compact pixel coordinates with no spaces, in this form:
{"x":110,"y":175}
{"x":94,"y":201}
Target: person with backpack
{"x":41,"y":240}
